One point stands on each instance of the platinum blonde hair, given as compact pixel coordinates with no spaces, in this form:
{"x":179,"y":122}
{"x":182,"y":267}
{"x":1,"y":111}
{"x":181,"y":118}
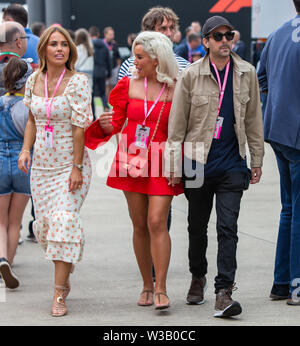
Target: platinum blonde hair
{"x":160,"y":47}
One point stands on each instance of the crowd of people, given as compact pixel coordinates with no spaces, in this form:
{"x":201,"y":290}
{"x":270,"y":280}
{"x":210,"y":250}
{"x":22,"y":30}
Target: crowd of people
{"x":184,"y":111}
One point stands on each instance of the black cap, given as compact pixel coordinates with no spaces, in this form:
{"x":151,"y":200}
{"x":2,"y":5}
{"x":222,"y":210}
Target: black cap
{"x":214,"y":22}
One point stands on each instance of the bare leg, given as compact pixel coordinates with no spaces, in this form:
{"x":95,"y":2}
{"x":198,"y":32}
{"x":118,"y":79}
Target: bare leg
{"x":138,"y":206}
{"x":16,"y":210}
{"x":62,"y":272}
{"x":158,"y":211}
{"x":4,"y":207}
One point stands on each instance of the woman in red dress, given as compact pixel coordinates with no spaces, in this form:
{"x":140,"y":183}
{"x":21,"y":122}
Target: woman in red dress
{"x":145,"y":102}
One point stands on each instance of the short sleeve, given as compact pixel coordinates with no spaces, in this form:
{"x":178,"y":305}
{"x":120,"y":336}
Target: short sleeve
{"x":79,"y":97}
{"x":29,"y":89}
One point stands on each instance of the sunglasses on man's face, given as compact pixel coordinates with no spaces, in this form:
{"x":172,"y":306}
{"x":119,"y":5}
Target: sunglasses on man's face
{"x":218,"y":36}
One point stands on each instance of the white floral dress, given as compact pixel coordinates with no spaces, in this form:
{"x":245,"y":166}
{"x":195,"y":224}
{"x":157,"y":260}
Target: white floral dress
{"x":58,"y":227}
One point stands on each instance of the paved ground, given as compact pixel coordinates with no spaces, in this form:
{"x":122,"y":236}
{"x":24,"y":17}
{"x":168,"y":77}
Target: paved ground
{"x":106,"y":284}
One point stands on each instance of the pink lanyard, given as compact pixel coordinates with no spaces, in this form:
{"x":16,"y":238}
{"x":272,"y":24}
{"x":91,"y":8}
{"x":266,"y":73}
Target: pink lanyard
{"x":48,"y":104}
{"x":155,"y":102}
{"x":221,"y":87}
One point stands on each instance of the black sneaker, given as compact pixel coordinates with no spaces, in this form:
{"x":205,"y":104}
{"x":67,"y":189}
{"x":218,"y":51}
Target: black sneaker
{"x":196,"y":292}
{"x":31,"y":237}
{"x":225,"y":306}
{"x":9,"y":277}
{"x":280,"y":292}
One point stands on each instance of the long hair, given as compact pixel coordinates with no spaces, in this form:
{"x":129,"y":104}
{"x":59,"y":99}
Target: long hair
{"x":43,"y":42}
{"x":82,"y":37}
{"x":159,"y":46}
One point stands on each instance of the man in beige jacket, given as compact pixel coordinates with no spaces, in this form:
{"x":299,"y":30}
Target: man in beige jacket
{"x":216,"y":110}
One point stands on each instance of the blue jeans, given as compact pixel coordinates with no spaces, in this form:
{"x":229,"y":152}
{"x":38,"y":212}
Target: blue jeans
{"x":287,"y":260}
{"x":12,"y":179}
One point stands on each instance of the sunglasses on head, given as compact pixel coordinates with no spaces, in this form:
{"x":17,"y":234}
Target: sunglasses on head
{"x":218,"y":36}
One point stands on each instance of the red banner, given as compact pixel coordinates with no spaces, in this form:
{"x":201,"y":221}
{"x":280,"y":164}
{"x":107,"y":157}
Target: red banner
{"x":230,"y":6}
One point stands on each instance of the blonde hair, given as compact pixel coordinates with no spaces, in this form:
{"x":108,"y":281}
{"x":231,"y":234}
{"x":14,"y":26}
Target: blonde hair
{"x":160,"y":47}
{"x":43,"y":42}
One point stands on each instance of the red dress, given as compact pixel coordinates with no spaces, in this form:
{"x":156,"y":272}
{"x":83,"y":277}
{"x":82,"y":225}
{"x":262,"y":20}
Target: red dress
{"x":133,"y":110}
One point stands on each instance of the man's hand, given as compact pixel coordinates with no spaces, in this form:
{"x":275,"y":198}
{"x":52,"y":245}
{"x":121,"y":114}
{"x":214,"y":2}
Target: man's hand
{"x":173,"y":180}
{"x":256,"y":175}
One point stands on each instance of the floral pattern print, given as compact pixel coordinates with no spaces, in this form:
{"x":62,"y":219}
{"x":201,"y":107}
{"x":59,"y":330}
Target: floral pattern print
{"x":58,"y":227}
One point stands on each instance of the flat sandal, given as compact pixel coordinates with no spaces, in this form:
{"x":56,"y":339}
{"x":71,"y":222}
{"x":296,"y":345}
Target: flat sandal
{"x":148,"y":292}
{"x":161,"y":306}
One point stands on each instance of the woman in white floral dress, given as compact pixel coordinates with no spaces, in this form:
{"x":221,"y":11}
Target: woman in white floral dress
{"x":59,"y":102}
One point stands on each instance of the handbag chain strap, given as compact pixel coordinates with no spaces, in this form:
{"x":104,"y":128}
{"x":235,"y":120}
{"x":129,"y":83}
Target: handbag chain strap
{"x":158,"y":120}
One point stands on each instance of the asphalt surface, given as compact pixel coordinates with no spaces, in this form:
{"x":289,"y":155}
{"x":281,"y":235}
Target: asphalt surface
{"x":106,"y":284}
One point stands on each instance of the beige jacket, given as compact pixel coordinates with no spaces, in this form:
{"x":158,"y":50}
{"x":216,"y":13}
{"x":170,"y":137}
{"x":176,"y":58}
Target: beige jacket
{"x":194,"y":112}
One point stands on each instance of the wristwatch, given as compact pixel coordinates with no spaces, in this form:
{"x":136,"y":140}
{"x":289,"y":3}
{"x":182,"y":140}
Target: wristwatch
{"x":80,"y":167}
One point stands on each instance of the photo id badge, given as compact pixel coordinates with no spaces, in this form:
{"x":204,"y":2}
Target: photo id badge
{"x":142,"y":136}
{"x":218,"y":127}
{"x":48,"y":136}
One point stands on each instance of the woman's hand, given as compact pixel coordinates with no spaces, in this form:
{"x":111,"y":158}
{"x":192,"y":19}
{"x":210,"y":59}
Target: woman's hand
{"x":75,"y":180}
{"x":105,"y":122}
{"x":24,"y":161}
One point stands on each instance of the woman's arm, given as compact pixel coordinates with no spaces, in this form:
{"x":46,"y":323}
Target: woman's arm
{"x":29,"y":140}
{"x":76,"y":179}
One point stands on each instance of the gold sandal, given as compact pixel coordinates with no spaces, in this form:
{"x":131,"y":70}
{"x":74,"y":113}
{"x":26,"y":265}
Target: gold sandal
{"x":161,"y":306}
{"x":59,"y":308}
{"x":148,"y":292}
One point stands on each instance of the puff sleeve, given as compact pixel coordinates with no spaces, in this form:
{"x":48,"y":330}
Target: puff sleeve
{"x":29,"y":89}
{"x":118,"y":98}
{"x":79,"y":97}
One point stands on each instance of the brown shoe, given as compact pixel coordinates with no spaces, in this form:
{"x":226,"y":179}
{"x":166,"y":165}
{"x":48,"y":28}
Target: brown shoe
{"x":196,"y":292}
{"x":225,"y":306}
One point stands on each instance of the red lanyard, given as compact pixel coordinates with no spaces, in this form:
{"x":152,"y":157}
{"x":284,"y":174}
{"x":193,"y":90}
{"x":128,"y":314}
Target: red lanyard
{"x":155,"y":102}
{"x":221,"y":87}
{"x":48,"y":104}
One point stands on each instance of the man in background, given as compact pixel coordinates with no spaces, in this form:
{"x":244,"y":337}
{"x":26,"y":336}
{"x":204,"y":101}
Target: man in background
{"x":279,"y":75}
{"x":112,"y":46}
{"x":102,"y":68}
{"x":160,"y":19}
{"x":239,"y":46}
{"x":13,"y":43}
{"x":17,"y":13}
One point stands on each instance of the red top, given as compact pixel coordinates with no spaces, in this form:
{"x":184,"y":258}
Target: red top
{"x":133,"y":110}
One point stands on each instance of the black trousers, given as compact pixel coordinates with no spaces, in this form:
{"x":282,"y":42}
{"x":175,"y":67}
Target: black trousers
{"x":228,"y":190}
{"x":30,"y":227}
{"x":99,"y":89}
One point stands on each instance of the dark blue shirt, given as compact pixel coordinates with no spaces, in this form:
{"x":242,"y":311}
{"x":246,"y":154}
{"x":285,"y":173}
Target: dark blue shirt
{"x":279,"y":74}
{"x":224,"y":152}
